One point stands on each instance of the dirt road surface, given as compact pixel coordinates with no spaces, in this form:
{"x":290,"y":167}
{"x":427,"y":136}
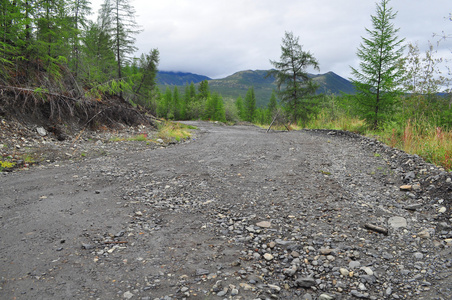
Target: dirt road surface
{"x":234,"y":213}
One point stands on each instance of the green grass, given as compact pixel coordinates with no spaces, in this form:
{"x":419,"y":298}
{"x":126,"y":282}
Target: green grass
{"x":433,"y":144}
{"x":177,"y":131}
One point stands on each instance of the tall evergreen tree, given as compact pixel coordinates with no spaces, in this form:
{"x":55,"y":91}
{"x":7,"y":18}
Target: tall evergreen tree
{"x":378,"y":80}
{"x":79,"y":11}
{"x":293,"y":81}
{"x":250,"y":105}
{"x":120,"y":17}
{"x":272,"y":104}
{"x":240,"y":107}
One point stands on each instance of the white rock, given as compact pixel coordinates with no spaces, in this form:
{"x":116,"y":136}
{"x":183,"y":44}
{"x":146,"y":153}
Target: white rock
{"x":442,"y":210}
{"x":264,"y":224}
{"x":268,"y":256}
{"x":41,"y":131}
{"x":368,"y":271}
{"x":128,"y":295}
{"x":344,"y":271}
{"x":397,"y":222}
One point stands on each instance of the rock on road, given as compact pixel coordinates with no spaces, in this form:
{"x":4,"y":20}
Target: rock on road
{"x":233,"y":213}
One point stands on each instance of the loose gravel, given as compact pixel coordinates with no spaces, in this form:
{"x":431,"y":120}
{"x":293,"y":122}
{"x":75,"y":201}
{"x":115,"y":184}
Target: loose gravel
{"x":232,"y":213}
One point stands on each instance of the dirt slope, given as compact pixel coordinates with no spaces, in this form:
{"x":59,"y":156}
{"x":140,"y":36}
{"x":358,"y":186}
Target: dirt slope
{"x":233,"y":213}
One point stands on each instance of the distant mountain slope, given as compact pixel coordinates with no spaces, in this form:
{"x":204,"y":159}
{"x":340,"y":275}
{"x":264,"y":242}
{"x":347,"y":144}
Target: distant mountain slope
{"x":331,"y":83}
{"x":179,"y":78}
{"x":238,"y":83}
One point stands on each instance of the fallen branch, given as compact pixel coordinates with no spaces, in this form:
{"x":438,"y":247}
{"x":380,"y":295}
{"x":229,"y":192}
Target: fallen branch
{"x":27,"y":90}
{"x":376,"y":228}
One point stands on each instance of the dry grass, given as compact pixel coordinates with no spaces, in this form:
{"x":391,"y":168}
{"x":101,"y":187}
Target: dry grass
{"x":431,"y":143}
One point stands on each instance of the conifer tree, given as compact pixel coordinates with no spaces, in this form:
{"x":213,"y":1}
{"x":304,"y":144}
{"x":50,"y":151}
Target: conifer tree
{"x":293,"y":81}
{"x":119,"y":16}
{"x":380,"y":73}
{"x":250,"y":105}
{"x":240,"y":107}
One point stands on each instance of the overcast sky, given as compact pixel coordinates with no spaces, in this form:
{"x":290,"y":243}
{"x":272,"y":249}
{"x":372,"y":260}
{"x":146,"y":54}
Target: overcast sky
{"x":217,"y":38}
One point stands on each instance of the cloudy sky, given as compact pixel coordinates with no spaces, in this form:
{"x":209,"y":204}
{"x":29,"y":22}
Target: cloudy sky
{"x":217,"y":38}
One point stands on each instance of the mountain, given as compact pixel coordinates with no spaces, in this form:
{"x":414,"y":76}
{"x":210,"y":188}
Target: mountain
{"x":238,"y":83}
{"x":178,"y":78}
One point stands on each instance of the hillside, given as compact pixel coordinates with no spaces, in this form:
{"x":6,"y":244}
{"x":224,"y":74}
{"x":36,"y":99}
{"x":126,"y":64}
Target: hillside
{"x":238,"y":83}
{"x":165,"y":78}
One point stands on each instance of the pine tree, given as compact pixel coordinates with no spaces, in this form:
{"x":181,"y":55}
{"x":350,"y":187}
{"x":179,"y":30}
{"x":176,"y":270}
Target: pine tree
{"x":293,"y":81}
{"x":378,"y":80}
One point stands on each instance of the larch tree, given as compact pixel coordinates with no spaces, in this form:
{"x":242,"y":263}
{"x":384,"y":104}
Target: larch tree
{"x":120,"y":16}
{"x":292,"y":79}
{"x":380,"y":73}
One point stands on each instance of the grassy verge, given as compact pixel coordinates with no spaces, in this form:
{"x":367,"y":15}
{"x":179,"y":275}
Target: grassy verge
{"x":167,"y":131}
{"x":177,"y":131}
{"x":433,"y":144}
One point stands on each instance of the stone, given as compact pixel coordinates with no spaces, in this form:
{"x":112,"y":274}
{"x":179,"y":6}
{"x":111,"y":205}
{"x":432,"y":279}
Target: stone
{"x":247,"y":287}
{"x":307,"y":296}
{"x":305,"y":282}
{"x":272,"y":245}
{"x":268,"y":256}
{"x":423,"y":234}
{"x":295,"y":254}
{"x":127,"y":295}
{"x":200,"y":272}
{"x":325,"y":251}
{"x":397,"y":222}
{"x":344,"y":271}
{"x":442,"y":210}
{"x":223,"y":292}
{"x":41,"y":131}
{"x":264,"y":224}
{"x":274,"y":287}
{"x":290,"y":271}
{"x":368,"y":271}
{"x":354,"y":264}
{"x":325,"y":297}
{"x":357,"y":294}
{"x":418,"y":255}
{"x":160,"y":141}
{"x":406,"y":188}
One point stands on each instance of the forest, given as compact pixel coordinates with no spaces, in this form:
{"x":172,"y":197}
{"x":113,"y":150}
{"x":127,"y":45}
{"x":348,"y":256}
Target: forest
{"x":55,"y":61}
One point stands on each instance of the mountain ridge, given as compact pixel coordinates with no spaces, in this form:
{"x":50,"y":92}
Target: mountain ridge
{"x":237,"y":84}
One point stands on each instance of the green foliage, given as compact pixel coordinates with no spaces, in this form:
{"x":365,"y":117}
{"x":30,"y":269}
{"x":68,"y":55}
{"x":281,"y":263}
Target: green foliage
{"x":240,"y":107}
{"x":6,"y":165}
{"x":249,"y":106}
{"x":295,"y":87}
{"x":378,"y":80}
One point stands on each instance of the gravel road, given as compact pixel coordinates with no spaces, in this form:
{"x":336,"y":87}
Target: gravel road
{"x":234,"y":213}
